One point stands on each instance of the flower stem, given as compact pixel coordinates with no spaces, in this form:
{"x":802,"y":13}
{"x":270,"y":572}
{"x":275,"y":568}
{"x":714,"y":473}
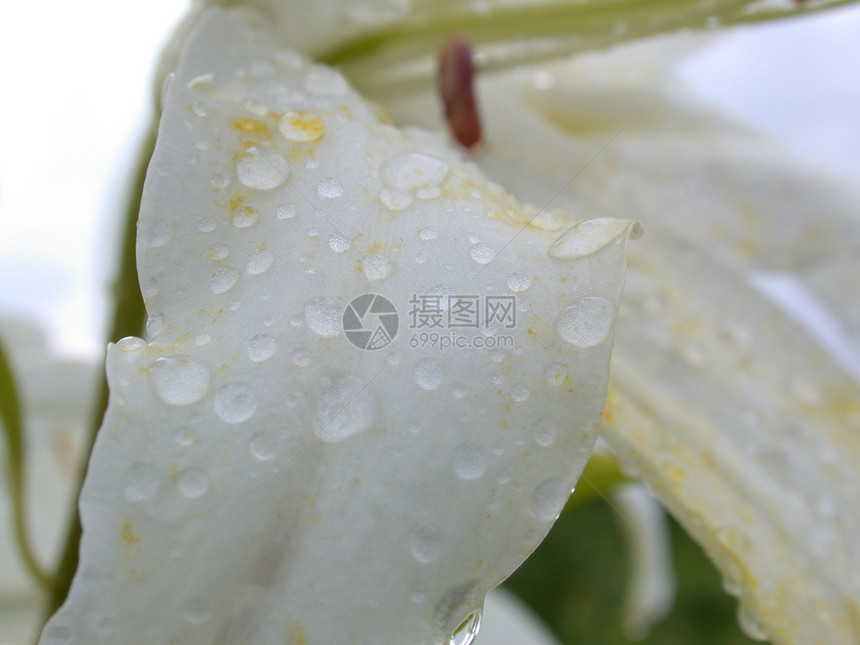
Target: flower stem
{"x":12,"y":422}
{"x":128,"y":319}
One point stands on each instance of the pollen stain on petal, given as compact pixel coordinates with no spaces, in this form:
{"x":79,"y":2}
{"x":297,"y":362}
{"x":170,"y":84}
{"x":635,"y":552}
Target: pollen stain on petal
{"x":253,"y":131}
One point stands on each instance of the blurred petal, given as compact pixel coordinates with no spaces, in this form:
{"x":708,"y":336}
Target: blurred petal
{"x":258,"y":478}
{"x":736,"y":413}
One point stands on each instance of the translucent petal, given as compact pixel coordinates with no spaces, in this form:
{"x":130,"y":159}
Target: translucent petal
{"x":261,"y":479}
{"x":739,"y":416}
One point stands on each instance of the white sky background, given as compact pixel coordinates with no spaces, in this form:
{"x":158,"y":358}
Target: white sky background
{"x":77,"y":86}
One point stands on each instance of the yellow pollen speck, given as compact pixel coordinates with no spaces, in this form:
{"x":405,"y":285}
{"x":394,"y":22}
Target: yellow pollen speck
{"x":128,"y":538}
{"x":252,"y":130}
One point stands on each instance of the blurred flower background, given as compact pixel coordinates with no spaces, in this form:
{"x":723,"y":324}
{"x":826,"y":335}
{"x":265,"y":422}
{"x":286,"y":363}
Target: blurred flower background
{"x":78,"y":98}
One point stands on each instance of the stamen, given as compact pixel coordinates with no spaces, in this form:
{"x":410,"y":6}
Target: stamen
{"x":456,"y":74}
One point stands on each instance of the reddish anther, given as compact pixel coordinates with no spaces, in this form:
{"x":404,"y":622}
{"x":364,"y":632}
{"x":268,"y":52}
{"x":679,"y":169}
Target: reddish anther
{"x":456,"y":77}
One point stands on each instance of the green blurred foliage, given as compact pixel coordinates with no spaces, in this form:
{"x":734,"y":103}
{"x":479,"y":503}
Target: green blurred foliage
{"x":576,"y":581}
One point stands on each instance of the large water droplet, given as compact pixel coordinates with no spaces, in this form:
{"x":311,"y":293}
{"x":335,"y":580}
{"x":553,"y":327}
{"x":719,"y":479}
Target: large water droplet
{"x":193,"y":482}
{"x":323,"y":317}
{"x":587,"y":237}
{"x":428,"y":374}
{"x":301,"y":126}
{"x":130,"y":344}
{"x":261,"y":348}
{"x":413,"y":170}
{"x":235,"y":402}
{"x":223,"y":280}
{"x":330,"y":188}
{"x":482,"y":253}
{"x":262,"y":169}
{"x":376,"y":267}
{"x":587,"y":322}
{"x":259,"y":261}
{"x":345,"y":407}
{"x":548,"y":498}
{"x":469,"y":461}
{"x":179,"y":380}
{"x":425,"y":542}
{"x":141,"y":481}
{"x":467,"y":632}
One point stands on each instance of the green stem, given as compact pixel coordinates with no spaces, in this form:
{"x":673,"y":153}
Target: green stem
{"x":129,"y":315}
{"x":12,"y":422}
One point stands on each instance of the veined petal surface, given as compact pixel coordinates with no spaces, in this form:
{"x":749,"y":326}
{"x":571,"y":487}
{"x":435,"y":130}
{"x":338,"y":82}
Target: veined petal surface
{"x":261,"y":479}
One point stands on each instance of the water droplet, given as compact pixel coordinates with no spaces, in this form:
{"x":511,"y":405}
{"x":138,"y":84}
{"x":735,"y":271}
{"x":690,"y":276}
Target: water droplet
{"x":325,"y":82}
{"x":152,"y":231}
{"x":219,"y":251}
{"x":287,"y":211}
{"x":259,"y":262}
{"x":396,"y":200}
{"x":154,"y":325}
{"x":518,"y":282}
{"x":261,"y":348}
{"x":555,"y":374}
{"x":545,"y":432}
{"x":179,"y":380}
{"x":262,"y":170}
{"x":428,"y":374}
{"x":130,"y":344}
{"x":220,"y":180}
{"x":427,"y":234}
{"x":587,"y":322}
{"x":519,"y":392}
{"x":207,"y":225}
{"x":751,"y":627}
{"x":202,"y":339}
{"x":338,"y":243}
{"x":468,"y":630}
{"x":413,"y":170}
{"x":193,"y":482}
{"x":421,"y":257}
{"x":418,"y":593}
{"x":245,"y":217}
{"x":184,"y":436}
{"x":548,"y":498}
{"x":587,"y":237}
{"x":263,"y":445}
{"x":376,"y":267}
{"x":301,"y":357}
{"x":196,"y":610}
{"x":429,"y":192}
{"x":459,"y":391}
{"x":301,"y":126}
{"x":425,"y":542}
{"x":345,"y":407}
{"x":330,"y":187}
{"x":482,"y":253}
{"x":469,"y":461}
{"x":731,"y":587}
{"x":235,"y":402}
{"x":141,"y":481}
{"x":223,"y":280}
{"x":322,"y":316}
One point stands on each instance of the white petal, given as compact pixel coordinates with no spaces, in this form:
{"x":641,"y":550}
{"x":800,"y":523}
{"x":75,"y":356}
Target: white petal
{"x":316,"y":491}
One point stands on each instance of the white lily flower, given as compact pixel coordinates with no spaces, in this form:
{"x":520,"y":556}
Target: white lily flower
{"x":360,"y":496}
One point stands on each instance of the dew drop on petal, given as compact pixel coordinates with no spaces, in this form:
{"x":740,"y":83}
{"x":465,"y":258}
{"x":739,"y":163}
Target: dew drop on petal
{"x":555,"y":374}
{"x":262,"y":170}
{"x":482,"y":253}
{"x":548,"y":498}
{"x":193,"y":482}
{"x":323,"y":317}
{"x":345,"y":407}
{"x":750,"y":626}
{"x":245,"y":217}
{"x":338,"y":243}
{"x":287,"y":211}
{"x":140,"y":481}
{"x":130,"y":344}
{"x":219,"y":252}
{"x":153,"y":231}
{"x":235,"y":402}
{"x":396,"y":199}
{"x":425,"y":542}
{"x":263,"y":445}
{"x":179,"y":380}
{"x":223,"y":280}
{"x":519,"y":392}
{"x":467,"y":632}
{"x":261,"y":348}
{"x":428,"y":374}
{"x":469,"y":461}
{"x":587,"y":237}
{"x":518,"y":282}
{"x":330,"y":188}
{"x":427,"y":234}
{"x":259,"y":262}
{"x":376,"y":267}
{"x":301,"y":357}
{"x":413,"y":170}
{"x":587,"y":322}
{"x":545,"y":432}
{"x":325,"y":82}
{"x":301,"y":126}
